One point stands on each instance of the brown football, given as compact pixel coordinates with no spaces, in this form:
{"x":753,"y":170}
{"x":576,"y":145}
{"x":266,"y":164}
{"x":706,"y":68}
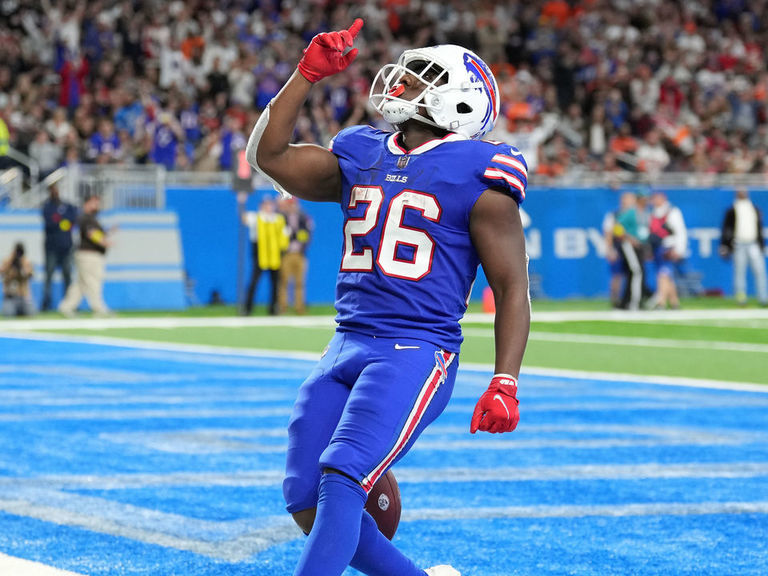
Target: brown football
{"x":384,"y":504}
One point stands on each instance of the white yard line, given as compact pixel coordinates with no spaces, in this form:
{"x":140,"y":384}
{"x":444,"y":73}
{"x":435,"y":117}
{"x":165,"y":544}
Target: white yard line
{"x":166,"y":322}
{"x":12,"y":566}
{"x":274,"y":478}
{"x":328,"y":321}
{"x":621,"y":510}
{"x":632,"y":341}
{"x":652,"y":316}
{"x":311,"y":356}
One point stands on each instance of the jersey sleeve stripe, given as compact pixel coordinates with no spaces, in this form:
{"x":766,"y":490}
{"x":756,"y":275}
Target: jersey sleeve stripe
{"x":512,"y":180}
{"x":511,"y":162}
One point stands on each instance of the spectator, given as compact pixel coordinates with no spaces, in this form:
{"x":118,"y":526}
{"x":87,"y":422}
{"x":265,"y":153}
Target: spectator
{"x":268,"y":242}
{"x":103,"y":145}
{"x":59,"y":128}
{"x":59,"y":218}
{"x":622,"y":143}
{"x":669,"y":242}
{"x":167,"y":140}
{"x":293,"y":271}
{"x":17,"y":271}
{"x":652,"y":157}
{"x":73,"y":74}
{"x":615,"y":267}
{"x":232,"y":139}
{"x":47,"y":154}
{"x":742,"y":238}
{"x":90,"y":260}
{"x":708,"y":72}
{"x":625,"y":233}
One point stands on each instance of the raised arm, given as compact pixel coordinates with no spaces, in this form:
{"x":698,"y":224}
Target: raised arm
{"x":304,"y":170}
{"x":497,"y":234}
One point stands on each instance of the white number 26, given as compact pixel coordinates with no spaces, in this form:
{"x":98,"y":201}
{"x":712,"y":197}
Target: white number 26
{"x":394,"y":235}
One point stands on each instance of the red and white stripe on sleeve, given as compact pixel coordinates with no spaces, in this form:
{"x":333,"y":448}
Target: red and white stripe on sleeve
{"x":508,"y":170}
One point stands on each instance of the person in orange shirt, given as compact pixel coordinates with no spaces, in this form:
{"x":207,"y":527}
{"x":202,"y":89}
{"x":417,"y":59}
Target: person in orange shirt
{"x":623,"y":142}
{"x":556,"y":11}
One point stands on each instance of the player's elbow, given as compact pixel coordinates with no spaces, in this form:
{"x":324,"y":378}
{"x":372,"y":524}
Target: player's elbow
{"x":512,"y":293}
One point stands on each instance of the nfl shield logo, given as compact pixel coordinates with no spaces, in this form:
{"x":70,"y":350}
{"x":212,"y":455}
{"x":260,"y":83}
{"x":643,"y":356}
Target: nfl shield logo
{"x":402,"y":162}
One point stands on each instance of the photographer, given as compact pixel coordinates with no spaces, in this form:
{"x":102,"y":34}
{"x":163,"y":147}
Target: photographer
{"x":17,"y":271}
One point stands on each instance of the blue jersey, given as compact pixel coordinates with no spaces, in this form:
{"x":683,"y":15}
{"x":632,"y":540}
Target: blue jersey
{"x":408,"y":263}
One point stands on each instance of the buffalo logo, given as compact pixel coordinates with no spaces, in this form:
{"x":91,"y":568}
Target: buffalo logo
{"x":440,"y":364}
{"x":480,"y":70}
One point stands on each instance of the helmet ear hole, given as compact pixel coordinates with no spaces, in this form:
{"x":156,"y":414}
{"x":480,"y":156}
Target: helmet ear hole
{"x":463,"y":108}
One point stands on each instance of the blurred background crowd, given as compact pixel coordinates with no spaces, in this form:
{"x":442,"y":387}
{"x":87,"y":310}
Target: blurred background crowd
{"x":609,"y":86}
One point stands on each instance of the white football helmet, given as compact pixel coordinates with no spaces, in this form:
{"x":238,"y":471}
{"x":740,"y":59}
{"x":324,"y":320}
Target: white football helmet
{"x":460,"y":93}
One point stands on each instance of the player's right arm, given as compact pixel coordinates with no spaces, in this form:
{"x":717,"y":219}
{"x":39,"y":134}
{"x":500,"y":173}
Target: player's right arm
{"x":304,"y":170}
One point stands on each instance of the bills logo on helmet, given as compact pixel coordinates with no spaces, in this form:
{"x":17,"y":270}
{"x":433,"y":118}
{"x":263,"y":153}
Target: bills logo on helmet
{"x":480,"y":70}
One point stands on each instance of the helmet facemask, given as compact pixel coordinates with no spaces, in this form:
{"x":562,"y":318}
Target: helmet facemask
{"x":387,"y":88}
{"x":459,"y":93}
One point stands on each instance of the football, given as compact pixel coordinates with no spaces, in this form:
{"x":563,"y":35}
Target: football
{"x":384,"y":504}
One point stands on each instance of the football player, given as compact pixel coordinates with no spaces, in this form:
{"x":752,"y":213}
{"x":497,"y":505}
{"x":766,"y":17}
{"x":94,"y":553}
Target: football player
{"x":423,"y":206}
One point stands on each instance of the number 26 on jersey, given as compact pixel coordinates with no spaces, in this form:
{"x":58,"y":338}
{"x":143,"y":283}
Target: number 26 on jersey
{"x":396,"y":237}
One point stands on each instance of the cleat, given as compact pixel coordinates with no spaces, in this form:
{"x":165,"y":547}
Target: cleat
{"x":442,"y":570}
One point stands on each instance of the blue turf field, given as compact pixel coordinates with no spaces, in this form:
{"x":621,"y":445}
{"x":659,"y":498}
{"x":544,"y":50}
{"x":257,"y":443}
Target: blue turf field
{"x":143,"y":461}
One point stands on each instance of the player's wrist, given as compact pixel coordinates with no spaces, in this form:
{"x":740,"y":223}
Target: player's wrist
{"x":504,"y":379}
{"x":505,"y":384}
{"x":310,"y":75}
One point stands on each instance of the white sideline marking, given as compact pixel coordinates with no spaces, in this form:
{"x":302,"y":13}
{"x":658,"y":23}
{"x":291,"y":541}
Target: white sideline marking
{"x":19,"y":567}
{"x":224,"y":351}
{"x":658,"y":379}
{"x":652,"y":316}
{"x":329,"y":322}
{"x":630,"y":341}
{"x":221,"y":351}
{"x":166,"y":322}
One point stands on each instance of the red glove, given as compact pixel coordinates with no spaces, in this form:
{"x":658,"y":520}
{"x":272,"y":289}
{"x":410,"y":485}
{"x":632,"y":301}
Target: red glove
{"x":496,"y":411}
{"x":325,"y":54}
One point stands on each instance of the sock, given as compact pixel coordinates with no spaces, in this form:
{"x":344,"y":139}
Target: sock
{"x":377,"y":556}
{"x":336,"y":532}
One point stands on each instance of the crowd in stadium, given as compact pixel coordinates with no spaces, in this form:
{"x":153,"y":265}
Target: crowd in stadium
{"x":611,"y":86}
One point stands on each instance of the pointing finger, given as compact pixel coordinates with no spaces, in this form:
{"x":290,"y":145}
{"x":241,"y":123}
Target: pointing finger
{"x":355,"y":28}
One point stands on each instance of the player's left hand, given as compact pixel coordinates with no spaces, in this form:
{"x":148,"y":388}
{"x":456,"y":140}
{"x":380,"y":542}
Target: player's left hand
{"x":496,"y":411}
{"x":325,"y":54}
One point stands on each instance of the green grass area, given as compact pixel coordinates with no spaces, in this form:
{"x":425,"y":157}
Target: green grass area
{"x":712,"y":349}
{"x":568,"y":305}
{"x":247,"y":337}
{"x":667,"y":330}
{"x":724,"y":365}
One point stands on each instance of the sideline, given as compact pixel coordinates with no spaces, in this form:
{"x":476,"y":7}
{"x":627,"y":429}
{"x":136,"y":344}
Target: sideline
{"x":633,"y":341}
{"x":313,"y":357}
{"x":328,"y":321}
{"x":13,"y":566}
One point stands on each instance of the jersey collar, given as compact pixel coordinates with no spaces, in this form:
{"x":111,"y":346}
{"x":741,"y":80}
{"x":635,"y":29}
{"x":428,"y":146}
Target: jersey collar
{"x":398,"y":150}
